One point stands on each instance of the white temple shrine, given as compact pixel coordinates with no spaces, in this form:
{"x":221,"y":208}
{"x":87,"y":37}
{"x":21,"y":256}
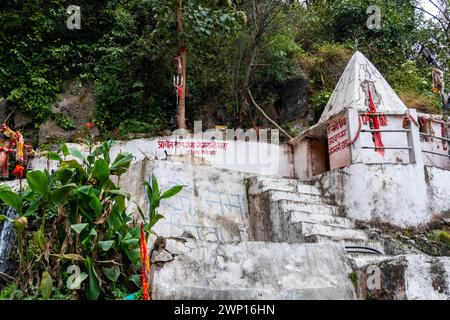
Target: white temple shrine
{"x":376,"y":147}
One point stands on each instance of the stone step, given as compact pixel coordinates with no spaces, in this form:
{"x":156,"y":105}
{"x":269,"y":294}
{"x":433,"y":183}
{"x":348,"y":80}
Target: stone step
{"x":307,"y":188}
{"x":324,"y":209}
{"x":324,"y":219}
{"x":276,"y":195}
{"x":260,"y":184}
{"x":312,"y":231}
{"x":197,"y":270}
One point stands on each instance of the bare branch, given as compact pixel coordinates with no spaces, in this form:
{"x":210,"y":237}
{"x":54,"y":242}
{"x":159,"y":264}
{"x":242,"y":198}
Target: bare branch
{"x":266,"y":116}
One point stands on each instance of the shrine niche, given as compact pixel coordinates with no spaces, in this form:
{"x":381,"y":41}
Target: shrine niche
{"x":14,"y":154}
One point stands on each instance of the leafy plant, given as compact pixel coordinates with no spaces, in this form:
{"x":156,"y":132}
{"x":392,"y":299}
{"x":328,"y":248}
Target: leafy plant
{"x":443,"y":236}
{"x":92,"y":230}
{"x":77,"y":216}
{"x":64,"y":121}
{"x":155,"y":196}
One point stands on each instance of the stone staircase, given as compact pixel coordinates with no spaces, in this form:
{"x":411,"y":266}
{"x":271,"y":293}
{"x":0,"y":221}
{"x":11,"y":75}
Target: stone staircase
{"x":300,"y":213}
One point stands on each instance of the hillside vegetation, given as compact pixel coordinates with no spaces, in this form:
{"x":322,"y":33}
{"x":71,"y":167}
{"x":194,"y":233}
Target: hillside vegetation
{"x":282,"y":52}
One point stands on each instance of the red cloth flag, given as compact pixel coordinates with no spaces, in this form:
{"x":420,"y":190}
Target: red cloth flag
{"x":376,"y":125}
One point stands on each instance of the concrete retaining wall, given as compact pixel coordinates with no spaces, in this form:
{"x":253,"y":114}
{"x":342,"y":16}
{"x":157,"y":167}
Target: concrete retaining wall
{"x":403,"y":195}
{"x":396,"y":194}
{"x":405,"y":277}
{"x":251,"y":270}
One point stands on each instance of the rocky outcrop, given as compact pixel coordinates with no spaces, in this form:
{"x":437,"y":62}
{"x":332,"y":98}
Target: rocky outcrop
{"x":77,"y":104}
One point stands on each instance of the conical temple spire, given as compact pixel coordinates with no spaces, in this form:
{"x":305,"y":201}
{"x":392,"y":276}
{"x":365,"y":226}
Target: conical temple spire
{"x":351,"y":90}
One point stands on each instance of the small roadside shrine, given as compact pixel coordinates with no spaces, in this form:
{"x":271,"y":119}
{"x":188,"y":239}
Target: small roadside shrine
{"x":13,"y":151}
{"x":379,"y":159}
{"x":366,"y":122}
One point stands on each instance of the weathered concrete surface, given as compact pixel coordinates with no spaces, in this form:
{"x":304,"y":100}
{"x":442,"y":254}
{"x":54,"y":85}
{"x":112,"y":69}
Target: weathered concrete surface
{"x":404,"y":277}
{"x":251,"y":270}
{"x":249,"y":157}
{"x":395,"y":194}
{"x":401,"y":195}
{"x":212,"y":206}
{"x":438,"y":183}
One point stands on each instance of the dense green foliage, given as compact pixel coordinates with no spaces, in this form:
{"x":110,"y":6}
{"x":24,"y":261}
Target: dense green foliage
{"x":127,"y":48}
{"x":75,"y":218}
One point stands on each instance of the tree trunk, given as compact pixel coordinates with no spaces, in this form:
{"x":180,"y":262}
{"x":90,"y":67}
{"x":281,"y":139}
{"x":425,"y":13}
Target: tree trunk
{"x":183,"y":58}
{"x":248,"y":73}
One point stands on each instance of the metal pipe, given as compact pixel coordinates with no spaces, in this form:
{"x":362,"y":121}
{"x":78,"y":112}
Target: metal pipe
{"x":358,"y":249}
{"x":368,"y":113}
{"x":436,"y":153}
{"x":429,"y":135}
{"x":386,"y":130}
{"x":393,"y":148}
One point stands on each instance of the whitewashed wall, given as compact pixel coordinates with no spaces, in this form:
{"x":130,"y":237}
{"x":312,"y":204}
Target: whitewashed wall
{"x":402,"y":195}
{"x":212,"y":206}
{"x":251,"y":157}
{"x":395,"y":194}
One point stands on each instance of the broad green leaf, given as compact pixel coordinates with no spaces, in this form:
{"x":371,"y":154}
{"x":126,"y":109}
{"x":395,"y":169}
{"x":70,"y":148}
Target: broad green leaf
{"x":100,"y":170}
{"x":172,"y":192}
{"x":39,"y":240}
{"x":33,"y":207}
{"x":79,"y":227}
{"x":136,"y":279}
{"x":105,"y":148}
{"x":121,"y":164}
{"x":65,"y":150}
{"x":126,"y":195}
{"x":112,"y":273}
{"x":76,"y":153}
{"x":38,"y":182}
{"x":106,"y":245}
{"x":64,"y":174}
{"x":53,"y":156}
{"x":46,"y":285}
{"x":90,"y":196}
{"x":72,"y":164}
{"x":11,"y":198}
{"x":134,"y":255}
{"x":131,"y":243}
{"x":60,"y":194}
{"x":93,"y":291}
{"x":154,"y":219}
{"x":155,"y":186}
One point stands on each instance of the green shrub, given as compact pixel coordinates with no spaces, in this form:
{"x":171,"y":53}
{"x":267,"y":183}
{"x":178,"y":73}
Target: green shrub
{"x":442,"y":236}
{"x":77,"y":215}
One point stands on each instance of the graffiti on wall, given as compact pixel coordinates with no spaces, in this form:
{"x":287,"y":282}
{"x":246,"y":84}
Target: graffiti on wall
{"x":198,"y":208}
